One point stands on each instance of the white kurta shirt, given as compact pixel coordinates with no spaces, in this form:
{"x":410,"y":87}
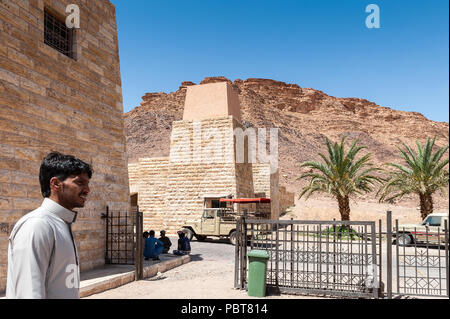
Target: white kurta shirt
{"x":42,"y":256}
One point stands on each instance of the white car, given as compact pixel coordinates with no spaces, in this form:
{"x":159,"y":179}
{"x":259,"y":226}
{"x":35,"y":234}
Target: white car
{"x":432,"y":230}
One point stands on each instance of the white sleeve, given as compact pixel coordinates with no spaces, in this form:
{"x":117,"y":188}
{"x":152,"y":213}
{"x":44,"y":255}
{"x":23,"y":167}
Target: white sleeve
{"x":31,"y":252}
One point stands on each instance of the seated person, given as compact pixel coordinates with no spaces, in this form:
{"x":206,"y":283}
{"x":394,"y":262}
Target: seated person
{"x":184,"y":245}
{"x":166,"y":241}
{"x":153,"y":247}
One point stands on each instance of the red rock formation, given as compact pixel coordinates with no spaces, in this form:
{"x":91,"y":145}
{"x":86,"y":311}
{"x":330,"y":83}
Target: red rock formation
{"x":304,"y":117}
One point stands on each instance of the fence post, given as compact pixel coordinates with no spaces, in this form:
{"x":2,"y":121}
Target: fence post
{"x":334,"y":252}
{"x":138,"y":253}
{"x":447,"y":266}
{"x":380,"y":248}
{"x":389,"y":253}
{"x":277,"y":255}
{"x":376,"y":280}
{"x":243,"y":252}
{"x":236,"y":253}
{"x":292,"y":253}
{"x":107,"y":238}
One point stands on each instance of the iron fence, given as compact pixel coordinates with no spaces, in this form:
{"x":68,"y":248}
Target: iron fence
{"x":313,"y":257}
{"x":347,"y":259}
{"x":421,"y":261}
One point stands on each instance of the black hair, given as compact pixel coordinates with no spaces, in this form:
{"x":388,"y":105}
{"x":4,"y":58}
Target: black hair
{"x":152,"y":233}
{"x":145,"y":234}
{"x":60,"y":166}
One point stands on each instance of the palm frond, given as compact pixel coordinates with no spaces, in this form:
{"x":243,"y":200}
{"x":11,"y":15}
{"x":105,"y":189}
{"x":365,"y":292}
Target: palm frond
{"x":423,"y":172}
{"x":340,"y":174}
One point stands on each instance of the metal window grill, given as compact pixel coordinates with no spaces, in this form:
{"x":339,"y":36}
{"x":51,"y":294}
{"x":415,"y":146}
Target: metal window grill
{"x":58,"y":36}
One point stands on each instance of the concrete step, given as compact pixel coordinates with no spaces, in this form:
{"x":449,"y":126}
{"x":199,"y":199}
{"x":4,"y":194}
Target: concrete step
{"x":113,"y":276}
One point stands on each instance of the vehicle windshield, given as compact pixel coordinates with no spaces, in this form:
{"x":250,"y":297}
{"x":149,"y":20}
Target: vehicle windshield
{"x":433,"y":220}
{"x":209,"y":213}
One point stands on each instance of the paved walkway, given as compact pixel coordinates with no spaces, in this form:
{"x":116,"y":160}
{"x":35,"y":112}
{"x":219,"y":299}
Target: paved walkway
{"x":112,"y":276}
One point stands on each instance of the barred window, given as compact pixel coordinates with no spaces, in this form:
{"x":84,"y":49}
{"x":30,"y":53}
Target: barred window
{"x":58,"y":36}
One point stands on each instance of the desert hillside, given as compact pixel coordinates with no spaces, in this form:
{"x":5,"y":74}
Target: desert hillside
{"x":304,"y":117}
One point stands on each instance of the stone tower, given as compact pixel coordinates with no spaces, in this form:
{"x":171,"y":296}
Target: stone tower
{"x":201,"y":167}
{"x":202,"y":157}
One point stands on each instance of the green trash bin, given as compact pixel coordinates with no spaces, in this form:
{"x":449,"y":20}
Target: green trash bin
{"x":257,"y":272}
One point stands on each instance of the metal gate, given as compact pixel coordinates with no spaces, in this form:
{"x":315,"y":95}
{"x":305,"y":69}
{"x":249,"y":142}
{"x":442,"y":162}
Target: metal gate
{"x":347,"y":259}
{"x":122,"y":235}
{"x":421,"y":267}
{"x":313,"y":257}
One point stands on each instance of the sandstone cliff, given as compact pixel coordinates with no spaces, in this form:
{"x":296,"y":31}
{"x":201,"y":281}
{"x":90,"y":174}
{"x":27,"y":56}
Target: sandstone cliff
{"x":304,"y":117}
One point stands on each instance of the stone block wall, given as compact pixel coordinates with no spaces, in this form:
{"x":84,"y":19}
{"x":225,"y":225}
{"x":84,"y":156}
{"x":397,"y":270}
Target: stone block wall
{"x":244,"y":171}
{"x":133,"y":177}
{"x":152,"y":191}
{"x":49,"y":101}
{"x":202,"y":161}
{"x":266,"y":185}
{"x":287,"y":199}
{"x":261,"y":179}
{"x":274,"y":195}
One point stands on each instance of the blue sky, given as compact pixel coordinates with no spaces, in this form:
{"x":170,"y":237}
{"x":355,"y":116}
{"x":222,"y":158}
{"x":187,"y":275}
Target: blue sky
{"x":322,"y":44}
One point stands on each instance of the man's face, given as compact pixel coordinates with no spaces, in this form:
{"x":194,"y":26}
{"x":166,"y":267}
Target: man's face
{"x":74,"y":191}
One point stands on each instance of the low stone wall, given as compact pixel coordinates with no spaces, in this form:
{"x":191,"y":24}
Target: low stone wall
{"x":287,"y":199}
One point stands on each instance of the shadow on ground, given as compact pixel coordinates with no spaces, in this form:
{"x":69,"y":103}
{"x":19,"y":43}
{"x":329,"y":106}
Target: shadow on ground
{"x":196,"y":257}
{"x":157,"y":278}
{"x":214,"y":240}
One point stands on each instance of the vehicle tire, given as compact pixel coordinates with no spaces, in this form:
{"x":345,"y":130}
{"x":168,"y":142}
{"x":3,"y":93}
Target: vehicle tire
{"x":189,"y":233}
{"x":404,"y":240}
{"x":232,"y":238}
{"x":200,"y":237}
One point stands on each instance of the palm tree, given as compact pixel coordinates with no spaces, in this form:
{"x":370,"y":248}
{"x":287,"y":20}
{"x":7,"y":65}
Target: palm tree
{"x":424,"y":174}
{"x":341,"y":176}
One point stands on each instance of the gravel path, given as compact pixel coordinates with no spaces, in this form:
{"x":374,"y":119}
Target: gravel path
{"x":209,"y":275}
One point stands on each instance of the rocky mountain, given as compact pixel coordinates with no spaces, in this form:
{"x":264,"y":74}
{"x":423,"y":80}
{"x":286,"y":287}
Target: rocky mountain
{"x":304,"y":117}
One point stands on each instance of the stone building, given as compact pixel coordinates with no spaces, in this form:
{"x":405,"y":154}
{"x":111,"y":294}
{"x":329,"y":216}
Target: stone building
{"x":60,"y":89}
{"x":202,"y":166}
